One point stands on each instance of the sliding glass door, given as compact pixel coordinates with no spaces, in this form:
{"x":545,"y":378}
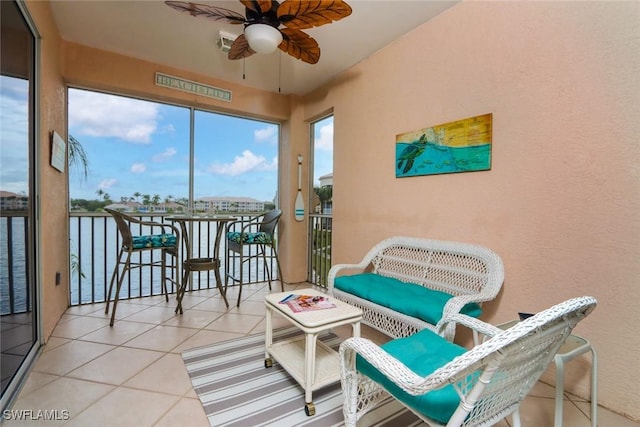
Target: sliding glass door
{"x":18,"y":290}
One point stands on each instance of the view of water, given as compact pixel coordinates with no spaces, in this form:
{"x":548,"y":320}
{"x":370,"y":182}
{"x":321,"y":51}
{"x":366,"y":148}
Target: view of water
{"x":429,"y":158}
{"x":94,"y":242}
{"x":18,"y":274}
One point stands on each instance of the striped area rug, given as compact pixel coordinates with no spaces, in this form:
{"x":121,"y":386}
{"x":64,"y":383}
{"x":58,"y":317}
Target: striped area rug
{"x":237,"y":390}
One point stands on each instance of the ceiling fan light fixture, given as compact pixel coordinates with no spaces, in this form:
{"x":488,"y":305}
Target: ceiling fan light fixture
{"x":263,"y":38}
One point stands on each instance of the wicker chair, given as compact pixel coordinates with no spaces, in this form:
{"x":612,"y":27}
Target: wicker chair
{"x":447,"y":385}
{"x":259,"y":233}
{"x":166,"y":242}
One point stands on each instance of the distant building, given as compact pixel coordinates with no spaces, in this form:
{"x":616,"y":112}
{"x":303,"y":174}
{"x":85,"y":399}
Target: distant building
{"x":327,"y":181}
{"x":13,"y":202}
{"x":139,"y":207}
{"x":229,"y":204}
{"x":121,"y":207}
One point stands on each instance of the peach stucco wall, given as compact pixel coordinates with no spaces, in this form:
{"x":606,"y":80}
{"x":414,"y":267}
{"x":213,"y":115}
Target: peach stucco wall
{"x":561,"y":202}
{"x":53,"y":204}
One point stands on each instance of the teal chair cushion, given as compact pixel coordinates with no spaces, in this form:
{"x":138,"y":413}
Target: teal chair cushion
{"x":154,"y":241}
{"x":249,"y":238}
{"x":407,"y":298}
{"x":423,"y":353}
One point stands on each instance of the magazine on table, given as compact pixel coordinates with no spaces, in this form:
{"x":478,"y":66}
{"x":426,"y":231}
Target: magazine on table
{"x":298,"y":303}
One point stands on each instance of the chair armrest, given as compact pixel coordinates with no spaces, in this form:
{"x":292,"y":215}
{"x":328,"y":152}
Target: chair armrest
{"x":339,"y":268}
{"x":472,"y":323}
{"x":244,"y":224}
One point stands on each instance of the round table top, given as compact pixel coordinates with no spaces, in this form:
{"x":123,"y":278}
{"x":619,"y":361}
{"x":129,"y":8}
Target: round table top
{"x":203,"y":217}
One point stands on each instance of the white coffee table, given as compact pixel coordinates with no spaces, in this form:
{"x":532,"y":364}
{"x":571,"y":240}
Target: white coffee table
{"x":311,"y":363}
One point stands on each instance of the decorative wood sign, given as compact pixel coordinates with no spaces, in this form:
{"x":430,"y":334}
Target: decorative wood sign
{"x":460,"y":146}
{"x":177,"y":83}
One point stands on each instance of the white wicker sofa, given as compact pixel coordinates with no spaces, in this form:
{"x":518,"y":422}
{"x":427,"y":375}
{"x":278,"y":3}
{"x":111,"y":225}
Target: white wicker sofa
{"x":407,"y":284}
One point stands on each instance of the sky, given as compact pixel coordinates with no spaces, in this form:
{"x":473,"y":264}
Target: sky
{"x":137,"y":146}
{"x":14,"y":127}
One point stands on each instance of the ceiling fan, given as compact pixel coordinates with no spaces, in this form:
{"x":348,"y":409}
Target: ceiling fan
{"x":263,"y":19}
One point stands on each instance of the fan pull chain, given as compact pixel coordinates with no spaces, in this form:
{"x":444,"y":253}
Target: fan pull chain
{"x":279,"y":70}
{"x":243,"y":63}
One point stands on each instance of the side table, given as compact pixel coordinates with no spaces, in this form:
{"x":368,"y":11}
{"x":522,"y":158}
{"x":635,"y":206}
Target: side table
{"x":574,"y":346}
{"x":310,"y":362}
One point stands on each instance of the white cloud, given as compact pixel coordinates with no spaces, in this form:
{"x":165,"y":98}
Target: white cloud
{"x":324,"y":140}
{"x":14,"y":126}
{"x":107,"y":183}
{"x":167,"y":155}
{"x":267,"y":134}
{"x":138,"y":167}
{"x":247,"y":162}
{"x":101,"y":115}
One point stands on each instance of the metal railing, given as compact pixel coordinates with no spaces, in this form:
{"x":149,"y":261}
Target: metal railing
{"x":319,"y":251}
{"x":94,"y":245}
{"x":14,"y":263}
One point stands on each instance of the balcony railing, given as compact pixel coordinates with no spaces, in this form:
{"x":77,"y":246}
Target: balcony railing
{"x":14,"y":273}
{"x":319,"y":251}
{"x":94,"y":245}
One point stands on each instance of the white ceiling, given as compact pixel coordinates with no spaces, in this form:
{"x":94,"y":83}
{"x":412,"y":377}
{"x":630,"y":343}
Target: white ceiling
{"x":151,"y":30}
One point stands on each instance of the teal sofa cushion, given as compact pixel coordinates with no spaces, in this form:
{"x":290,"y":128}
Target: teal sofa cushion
{"x":154,"y":241}
{"x":423,"y":353}
{"x":407,"y":298}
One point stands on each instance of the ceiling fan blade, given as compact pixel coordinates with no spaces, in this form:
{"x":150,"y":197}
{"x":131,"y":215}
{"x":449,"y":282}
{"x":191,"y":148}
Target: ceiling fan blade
{"x":300,"y":15}
{"x":258,"y":6}
{"x":299,"y":45}
{"x":240,"y":48}
{"x":206,"y":11}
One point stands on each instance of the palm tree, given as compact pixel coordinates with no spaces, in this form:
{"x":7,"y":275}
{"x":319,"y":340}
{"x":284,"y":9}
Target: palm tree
{"x":78,"y":158}
{"x":324,"y":193}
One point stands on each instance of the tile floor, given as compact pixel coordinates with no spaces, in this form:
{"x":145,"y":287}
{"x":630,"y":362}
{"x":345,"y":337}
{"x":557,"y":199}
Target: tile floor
{"x":133,"y":375}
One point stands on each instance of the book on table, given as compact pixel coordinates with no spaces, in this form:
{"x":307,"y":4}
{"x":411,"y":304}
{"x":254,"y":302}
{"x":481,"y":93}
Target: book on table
{"x":298,"y":303}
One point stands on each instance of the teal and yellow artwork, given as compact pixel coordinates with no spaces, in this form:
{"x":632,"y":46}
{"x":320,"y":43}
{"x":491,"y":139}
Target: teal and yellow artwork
{"x":460,"y":146}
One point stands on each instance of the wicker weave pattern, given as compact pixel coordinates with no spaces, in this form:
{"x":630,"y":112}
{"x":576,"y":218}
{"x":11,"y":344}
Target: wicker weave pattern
{"x":472,"y":273}
{"x":491,"y":379}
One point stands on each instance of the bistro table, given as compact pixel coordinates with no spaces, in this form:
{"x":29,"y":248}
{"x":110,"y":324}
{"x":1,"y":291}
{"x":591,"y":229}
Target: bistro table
{"x":189,"y":263}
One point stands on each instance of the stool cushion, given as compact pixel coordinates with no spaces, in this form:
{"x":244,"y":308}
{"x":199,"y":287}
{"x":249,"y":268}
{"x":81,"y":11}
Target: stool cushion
{"x":423,"y":353}
{"x":249,"y":238}
{"x":407,"y":298}
{"x":154,"y":241}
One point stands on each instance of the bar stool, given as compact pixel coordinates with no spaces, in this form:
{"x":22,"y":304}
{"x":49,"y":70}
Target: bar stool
{"x":199,"y":264}
{"x":573,"y":347}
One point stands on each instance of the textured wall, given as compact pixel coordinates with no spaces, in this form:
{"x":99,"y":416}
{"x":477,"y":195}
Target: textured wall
{"x":561,"y":202}
{"x":53,"y":248}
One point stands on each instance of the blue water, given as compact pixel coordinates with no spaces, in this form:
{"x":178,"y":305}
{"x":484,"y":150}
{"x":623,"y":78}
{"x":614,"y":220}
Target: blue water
{"x":93,"y":242}
{"x":437,"y":159}
{"x":19,"y":271}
